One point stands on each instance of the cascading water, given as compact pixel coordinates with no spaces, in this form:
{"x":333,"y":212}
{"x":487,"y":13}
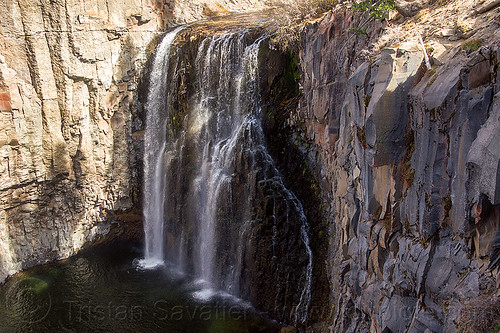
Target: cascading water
{"x":219,"y":141}
{"x":229,"y":219}
{"x":154,"y":155}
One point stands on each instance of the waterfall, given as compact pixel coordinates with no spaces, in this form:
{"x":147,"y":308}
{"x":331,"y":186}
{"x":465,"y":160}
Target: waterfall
{"x":213,"y":195}
{"x":219,"y":141}
{"x":154,"y":154}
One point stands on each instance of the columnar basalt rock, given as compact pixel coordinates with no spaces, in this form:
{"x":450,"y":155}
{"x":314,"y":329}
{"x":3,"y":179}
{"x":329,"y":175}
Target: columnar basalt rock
{"x":411,"y":173}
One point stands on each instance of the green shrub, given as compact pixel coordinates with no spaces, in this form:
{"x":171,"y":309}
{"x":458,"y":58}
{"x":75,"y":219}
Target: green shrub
{"x":378,"y":9}
{"x":472,"y":45}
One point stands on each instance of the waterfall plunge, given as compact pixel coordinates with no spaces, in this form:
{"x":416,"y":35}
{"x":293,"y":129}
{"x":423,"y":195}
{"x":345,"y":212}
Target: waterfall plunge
{"x":154,"y":154}
{"x":217,"y":180}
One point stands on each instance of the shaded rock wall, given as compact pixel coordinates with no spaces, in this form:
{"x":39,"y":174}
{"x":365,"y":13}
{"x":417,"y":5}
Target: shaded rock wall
{"x":409,"y":168}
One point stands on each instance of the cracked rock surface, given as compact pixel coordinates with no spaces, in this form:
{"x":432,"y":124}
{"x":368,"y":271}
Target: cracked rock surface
{"x":409,"y":164}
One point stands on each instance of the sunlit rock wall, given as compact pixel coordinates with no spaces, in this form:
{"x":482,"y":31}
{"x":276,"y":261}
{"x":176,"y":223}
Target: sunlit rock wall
{"x":183,"y":11}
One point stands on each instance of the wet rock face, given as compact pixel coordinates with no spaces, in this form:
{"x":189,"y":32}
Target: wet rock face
{"x":239,"y":196}
{"x":409,"y":166}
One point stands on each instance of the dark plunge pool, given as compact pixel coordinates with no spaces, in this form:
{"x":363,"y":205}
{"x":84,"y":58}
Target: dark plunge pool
{"x":103,"y":290}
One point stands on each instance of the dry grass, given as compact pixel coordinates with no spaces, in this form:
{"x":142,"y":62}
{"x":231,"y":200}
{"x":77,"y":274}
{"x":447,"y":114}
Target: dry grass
{"x":481,"y":314}
{"x":290,"y":18}
{"x":450,"y":23}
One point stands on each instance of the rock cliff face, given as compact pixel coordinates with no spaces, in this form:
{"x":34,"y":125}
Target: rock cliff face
{"x":409,"y":164}
{"x":68,"y":76}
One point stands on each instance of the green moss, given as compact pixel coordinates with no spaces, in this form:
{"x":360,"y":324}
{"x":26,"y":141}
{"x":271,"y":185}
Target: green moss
{"x":472,"y":45}
{"x":361,"y":132}
{"x":408,"y":172}
{"x":447,"y":206}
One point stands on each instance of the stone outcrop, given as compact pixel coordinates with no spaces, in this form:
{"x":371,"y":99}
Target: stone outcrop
{"x":69,"y":72}
{"x":68,"y":75}
{"x":184,"y":11}
{"x":410,"y":7}
{"x":409,"y":165}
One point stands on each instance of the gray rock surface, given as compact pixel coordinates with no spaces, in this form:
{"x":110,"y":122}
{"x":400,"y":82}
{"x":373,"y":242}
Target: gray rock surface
{"x":411,"y":179}
{"x":410,"y":7}
{"x":409,"y":158}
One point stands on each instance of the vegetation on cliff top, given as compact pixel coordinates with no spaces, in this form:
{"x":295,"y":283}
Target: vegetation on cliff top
{"x":292,"y":15}
{"x":463,"y":23}
{"x":290,"y":18}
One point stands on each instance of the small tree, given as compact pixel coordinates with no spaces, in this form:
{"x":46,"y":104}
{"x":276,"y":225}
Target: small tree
{"x":379,"y":9}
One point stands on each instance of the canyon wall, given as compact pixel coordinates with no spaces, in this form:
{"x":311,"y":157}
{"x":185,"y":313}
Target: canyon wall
{"x":69,"y":71}
{"x":406,"y":158}
{"x":408,"y":161}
